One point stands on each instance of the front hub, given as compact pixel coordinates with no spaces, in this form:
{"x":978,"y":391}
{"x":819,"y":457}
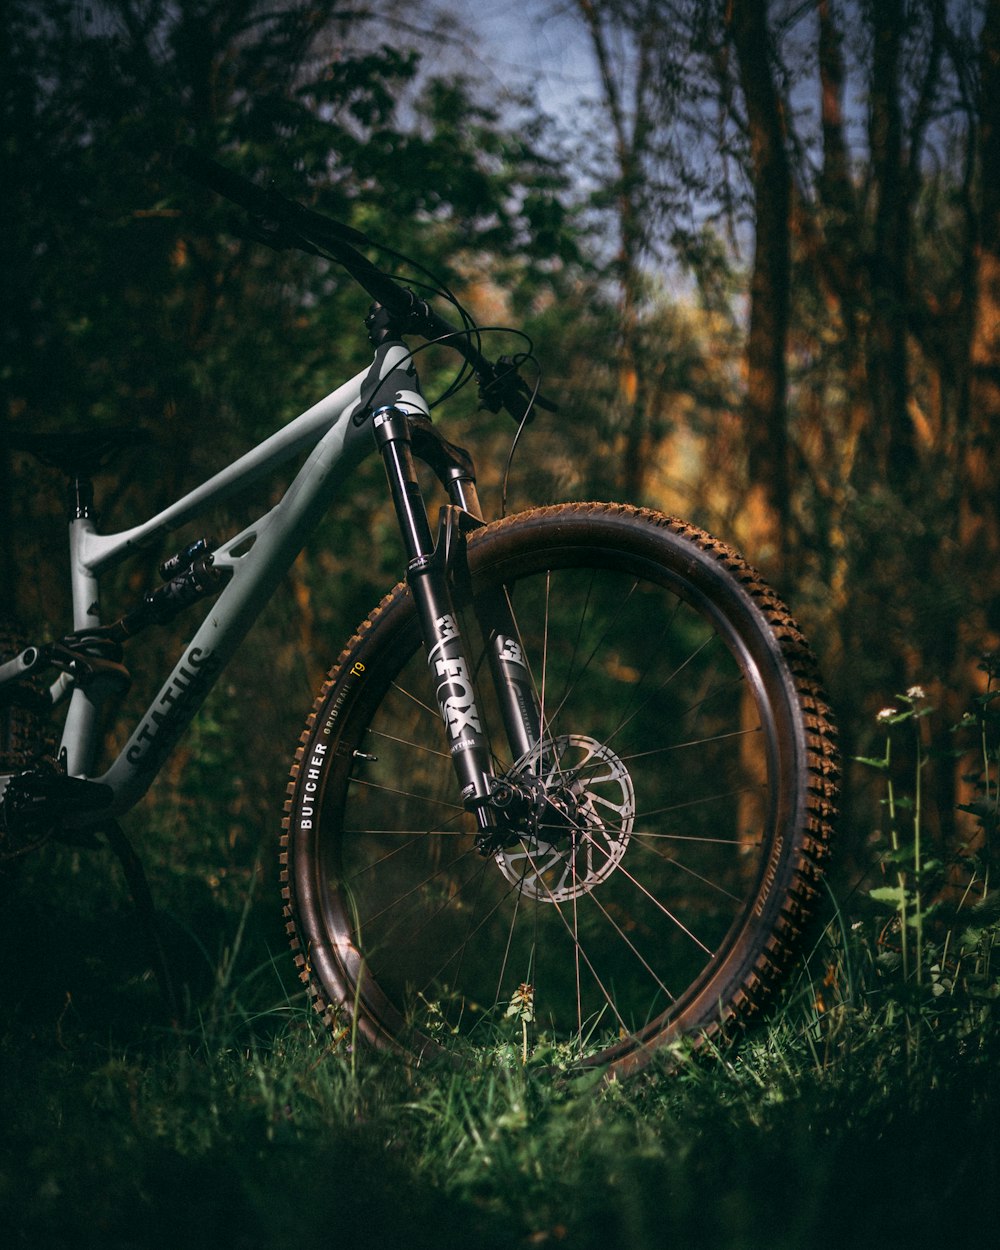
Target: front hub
{"x":574,"y":828}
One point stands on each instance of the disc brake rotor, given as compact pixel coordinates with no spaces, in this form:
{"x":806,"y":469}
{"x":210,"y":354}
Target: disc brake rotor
{"x":555,"y":860}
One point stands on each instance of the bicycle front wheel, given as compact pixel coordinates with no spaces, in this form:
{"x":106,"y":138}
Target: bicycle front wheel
{"x":682,"y":720}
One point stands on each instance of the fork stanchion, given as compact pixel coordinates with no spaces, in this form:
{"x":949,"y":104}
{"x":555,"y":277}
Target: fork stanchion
{"x":427,"y":575}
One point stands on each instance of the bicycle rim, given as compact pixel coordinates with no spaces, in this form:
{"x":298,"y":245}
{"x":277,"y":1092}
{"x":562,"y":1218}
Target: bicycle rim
{"x":674,"y":723}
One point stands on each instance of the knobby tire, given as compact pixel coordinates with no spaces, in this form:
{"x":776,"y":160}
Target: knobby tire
{"x":685,"y":723}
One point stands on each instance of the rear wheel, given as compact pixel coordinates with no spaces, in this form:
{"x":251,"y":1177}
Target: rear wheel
{"x":687,"y":745}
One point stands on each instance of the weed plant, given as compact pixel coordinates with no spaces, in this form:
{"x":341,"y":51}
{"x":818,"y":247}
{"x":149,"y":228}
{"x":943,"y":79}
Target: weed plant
{"x":862,"y":1113}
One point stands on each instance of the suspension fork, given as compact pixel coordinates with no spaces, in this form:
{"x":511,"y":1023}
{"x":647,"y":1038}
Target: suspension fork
{"x":511,"y":679}
{"x":432,"y":571}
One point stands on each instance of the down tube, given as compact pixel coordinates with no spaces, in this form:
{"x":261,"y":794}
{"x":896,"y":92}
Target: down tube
{"x":278,"y":539}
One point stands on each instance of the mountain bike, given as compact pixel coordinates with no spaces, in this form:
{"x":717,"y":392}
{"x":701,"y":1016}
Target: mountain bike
{"x":575,"y":772}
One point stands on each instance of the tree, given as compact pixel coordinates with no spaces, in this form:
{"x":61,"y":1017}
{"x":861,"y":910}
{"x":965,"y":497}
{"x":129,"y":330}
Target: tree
{"x":136,"y":298}
{"x":848,"y":151}
{"x":770,"y":285}
{"x":132,"y":298}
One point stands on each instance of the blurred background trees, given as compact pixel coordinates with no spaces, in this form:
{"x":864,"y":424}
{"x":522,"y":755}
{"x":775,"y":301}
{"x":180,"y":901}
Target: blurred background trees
{"x":839,"y":158}
{"x":761,"y":265}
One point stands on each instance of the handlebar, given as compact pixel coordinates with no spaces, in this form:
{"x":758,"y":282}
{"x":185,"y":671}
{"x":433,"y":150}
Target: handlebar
{"x":281,"y":222}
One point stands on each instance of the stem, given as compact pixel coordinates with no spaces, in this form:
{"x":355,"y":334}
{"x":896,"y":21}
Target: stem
{"x":917,"y":860}
{"x":988,"y":825}
{"x":900,"y":875}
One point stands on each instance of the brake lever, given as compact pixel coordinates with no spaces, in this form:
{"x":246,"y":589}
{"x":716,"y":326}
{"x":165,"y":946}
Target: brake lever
{"x":507,"y":389}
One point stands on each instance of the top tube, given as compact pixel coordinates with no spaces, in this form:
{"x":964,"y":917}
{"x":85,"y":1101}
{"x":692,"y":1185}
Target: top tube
{"x":340,"y":428}
{"x":103,"y":551}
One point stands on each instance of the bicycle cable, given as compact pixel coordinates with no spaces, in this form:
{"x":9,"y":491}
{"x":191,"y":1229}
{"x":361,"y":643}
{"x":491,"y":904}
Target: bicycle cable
{"x":279,"y":222}
{"x":522,"y":358}
{"x":435,"y":287}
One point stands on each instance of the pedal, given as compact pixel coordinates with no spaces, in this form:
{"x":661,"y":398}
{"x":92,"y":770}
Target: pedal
{"x":35,"y":801}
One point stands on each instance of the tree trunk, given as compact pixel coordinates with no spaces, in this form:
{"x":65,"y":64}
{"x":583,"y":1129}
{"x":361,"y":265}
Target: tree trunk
{"x":887,"y":356}
{"x":627,"y":97}
{"x":770,"y":289}
{"x":981,"y":522}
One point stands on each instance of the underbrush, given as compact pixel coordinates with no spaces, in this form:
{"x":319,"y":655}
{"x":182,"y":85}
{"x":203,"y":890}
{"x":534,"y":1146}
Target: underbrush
{"x":851,"y":1119}
{"x":861,"y":1114}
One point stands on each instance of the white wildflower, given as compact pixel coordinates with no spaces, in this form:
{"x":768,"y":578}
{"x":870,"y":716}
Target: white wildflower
{"x":887,"y":713}
{"x":916,"y":692}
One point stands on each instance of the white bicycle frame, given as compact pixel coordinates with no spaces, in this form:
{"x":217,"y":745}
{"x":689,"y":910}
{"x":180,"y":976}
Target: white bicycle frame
{"x":339,"y":430}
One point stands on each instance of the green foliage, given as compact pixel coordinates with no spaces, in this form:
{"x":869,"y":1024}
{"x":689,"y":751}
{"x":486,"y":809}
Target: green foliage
{"x":248,"y":1126}
{"x":128,"y":302}
{"x":134,"y":301}
{"x":863,"y":1113}
{"x":931,"y":929}
{"x":859,"y":1112}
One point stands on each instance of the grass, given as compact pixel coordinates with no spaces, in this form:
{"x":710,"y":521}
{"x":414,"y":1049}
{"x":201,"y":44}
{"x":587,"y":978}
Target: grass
{"x":852,"y":1119}
{"x":864,"y":1113}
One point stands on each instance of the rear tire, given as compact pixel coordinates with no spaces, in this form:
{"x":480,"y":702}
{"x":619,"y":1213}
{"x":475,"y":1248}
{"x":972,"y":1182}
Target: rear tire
{"x":686,"y":724}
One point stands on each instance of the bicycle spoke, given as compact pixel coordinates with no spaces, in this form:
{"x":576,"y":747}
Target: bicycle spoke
{"x":410,"y":746}
{"x":576,"y":955}
{"x":422,"y":704}
{"x":401,"y":920}
{"x":669,"y":747}
{"x":406,"y":794}
{"x":583,"y":954}
{"x":631,"y":945}
{"x":507,"y":948}
{"x":573,"y":679}
{"x":622,"y":875}
{"x":471,"y":933}
{"x":700,"y":802}
{"x":671,"y":859}
{"x":691,"y":837}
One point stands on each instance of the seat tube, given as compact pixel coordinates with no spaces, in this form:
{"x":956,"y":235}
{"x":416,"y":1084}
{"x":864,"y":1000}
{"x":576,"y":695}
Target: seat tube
{"x":427,"y":577}
{"x":81,"y":728}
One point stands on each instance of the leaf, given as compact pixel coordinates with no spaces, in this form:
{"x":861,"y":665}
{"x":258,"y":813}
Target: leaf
{"x":588,"y":1082}
{"x":895,"y":894}
{"x":871,"y":761}
{"x":902,"y":855}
